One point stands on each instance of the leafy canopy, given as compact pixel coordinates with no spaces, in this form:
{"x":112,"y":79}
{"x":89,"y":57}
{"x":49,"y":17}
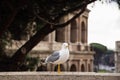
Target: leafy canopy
{"x":99,"y":47}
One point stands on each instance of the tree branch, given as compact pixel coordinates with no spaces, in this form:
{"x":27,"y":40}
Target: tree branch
{"x":63,"y":13}
{"x":74,"y":8}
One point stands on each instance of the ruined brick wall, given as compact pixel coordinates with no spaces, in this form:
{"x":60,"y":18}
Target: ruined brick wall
{"x":56,"y":76}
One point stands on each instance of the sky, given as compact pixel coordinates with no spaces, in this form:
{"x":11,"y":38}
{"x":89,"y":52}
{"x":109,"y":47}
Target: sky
{"x":104,"y":24}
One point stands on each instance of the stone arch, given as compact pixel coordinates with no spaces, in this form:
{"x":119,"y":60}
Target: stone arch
{"x":60,"y":35}
{"x":61,"y":67}
{"x":42,"y":68}
{"x":82,"y":68}
{"x":73,"y":67}
{"x":73,"y":31}
{"x":83,"y":32}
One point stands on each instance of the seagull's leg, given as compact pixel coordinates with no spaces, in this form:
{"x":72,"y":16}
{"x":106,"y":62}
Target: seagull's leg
{"x":58,"y":68}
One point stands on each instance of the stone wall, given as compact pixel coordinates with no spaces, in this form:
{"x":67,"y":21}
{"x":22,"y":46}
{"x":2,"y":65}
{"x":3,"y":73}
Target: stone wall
{"x":56,"y":76}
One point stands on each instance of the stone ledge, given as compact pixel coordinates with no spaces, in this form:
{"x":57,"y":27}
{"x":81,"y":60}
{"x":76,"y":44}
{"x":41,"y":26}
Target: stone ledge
{"x":56,"y":76}
{"x":62,"y":73}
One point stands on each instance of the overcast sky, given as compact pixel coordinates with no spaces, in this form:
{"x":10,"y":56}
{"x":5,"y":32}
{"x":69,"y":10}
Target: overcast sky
{"x":104,"y":24}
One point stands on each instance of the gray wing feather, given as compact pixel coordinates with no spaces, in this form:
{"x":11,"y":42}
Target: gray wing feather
{"x":55,"y":56}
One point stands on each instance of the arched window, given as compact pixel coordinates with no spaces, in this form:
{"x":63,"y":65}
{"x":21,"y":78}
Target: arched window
{"x":83,"y":32}
{"x":82,"y":68}
{"x":60,"y":35}
{"x":61,"y":68}
{"x":73,"y":68}
{"x":73,"y":32}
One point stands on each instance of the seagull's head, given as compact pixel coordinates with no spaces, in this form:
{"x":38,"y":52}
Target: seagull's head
{"x":65,"y":45}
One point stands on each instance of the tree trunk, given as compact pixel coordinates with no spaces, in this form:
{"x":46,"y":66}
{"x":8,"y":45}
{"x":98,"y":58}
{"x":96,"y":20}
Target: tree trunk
{"x":19,"y":56}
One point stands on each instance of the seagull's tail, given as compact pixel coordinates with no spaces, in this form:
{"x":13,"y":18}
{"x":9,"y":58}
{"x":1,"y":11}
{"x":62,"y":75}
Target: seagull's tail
{"x":46,"y":61}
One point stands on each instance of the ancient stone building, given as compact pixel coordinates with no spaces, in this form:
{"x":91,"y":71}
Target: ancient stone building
{"x":117,"y":56}
{"x":76,"y":34}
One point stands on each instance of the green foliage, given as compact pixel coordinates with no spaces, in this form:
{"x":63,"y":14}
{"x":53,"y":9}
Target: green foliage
{"x":98,"y":47}
{"x":40,"y":24}
{"x":109,"y":51}
{"x":30,"y":63}
{"x":99,"y":51}
{"x":108,"y":58}
{"x":102,"y":56}
{"x":4,"y":41}
{"x":103,"y":71}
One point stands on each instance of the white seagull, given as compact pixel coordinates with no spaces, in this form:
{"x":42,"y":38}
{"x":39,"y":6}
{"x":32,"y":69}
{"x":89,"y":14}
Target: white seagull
{"x":59,"y":57}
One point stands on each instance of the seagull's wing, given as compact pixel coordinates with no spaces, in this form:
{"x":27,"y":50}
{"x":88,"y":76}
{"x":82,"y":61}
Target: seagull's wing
{"x":55,"y":56}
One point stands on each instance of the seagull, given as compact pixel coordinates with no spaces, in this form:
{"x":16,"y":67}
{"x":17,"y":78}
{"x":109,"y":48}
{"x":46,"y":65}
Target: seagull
{"x":59,"y":57}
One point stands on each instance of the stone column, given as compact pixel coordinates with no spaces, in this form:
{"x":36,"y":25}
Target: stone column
{"x":79,"y":30}
{"x":117,"y":56}
{"x":80,"y":63}
{"x":117,"y":62}
{"x":86,"y":30}
{"x":77,"y":21}
{"x":91,"y":65}
{"x":86,"y":65}
{"x":79,"y":66}
{"x":68,"y":31}
{"x":51,"y":40}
